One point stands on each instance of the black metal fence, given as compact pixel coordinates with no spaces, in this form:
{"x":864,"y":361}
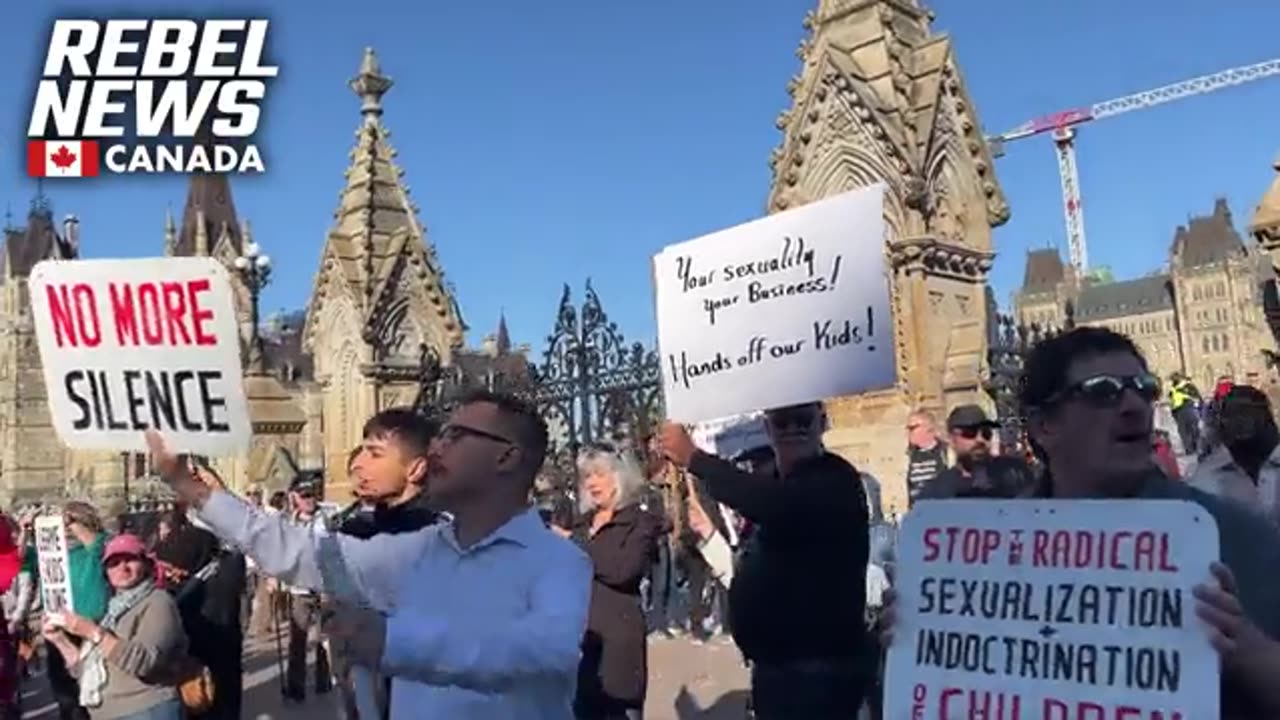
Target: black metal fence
{"x":591,"y":385}
{"x":1007,"y":346}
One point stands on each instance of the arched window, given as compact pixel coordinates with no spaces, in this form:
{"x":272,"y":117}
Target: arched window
{"x":1215,"y":344}
{"x":1225,"y":344}
{"x":1205,"y":343}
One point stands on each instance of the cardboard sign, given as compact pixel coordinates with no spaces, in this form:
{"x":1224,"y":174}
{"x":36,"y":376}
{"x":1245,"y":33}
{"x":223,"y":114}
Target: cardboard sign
{"x":1052,"y":610}
{"x":129,"y":345}
{"x":788,"y":309}
{"x":55,"y":568}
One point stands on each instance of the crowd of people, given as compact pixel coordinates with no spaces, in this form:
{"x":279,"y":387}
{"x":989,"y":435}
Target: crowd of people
{"x":446,"y":590}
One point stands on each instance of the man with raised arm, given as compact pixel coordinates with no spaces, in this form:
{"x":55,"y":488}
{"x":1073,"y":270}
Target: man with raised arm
{"x":481,"y":617}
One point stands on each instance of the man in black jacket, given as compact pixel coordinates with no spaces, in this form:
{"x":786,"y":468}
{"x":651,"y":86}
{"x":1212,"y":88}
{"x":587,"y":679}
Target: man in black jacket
{"x":390,"y":472}
{"x":977,"y":472}
{"x":797,"y":602}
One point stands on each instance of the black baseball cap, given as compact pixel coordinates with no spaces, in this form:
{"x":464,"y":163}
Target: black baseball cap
{"x":965,"y":417}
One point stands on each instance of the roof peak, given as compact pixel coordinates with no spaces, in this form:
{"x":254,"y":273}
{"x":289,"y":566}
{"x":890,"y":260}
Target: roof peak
{"x":370,"y":85}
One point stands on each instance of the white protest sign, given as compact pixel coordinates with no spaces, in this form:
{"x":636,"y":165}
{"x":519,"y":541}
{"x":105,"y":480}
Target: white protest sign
{"x":1052,"y":610}
{"x":55,"y":567}
{"x":129,"y":345}
{"x":787,"y":309}
{"x":727,"y":437}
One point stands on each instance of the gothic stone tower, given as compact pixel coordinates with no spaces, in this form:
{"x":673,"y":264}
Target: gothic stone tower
{"x":380,"y":294}
{"x":33,"y":462}
{"x":880,"y":98}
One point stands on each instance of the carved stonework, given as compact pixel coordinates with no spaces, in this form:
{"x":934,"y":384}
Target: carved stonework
{"x":895,"y":111}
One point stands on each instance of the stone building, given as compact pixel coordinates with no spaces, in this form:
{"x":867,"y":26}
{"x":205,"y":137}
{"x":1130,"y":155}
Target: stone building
{"x":1202,"y":315}
{"x":880,"y":99}
{"x":33,"y":463}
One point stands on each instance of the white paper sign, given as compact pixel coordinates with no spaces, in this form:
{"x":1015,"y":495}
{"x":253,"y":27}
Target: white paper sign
{"x":787,"y":309}
{"x":55,"y":568}
{"x":129,"y":345}
{"x":1052,"y":610}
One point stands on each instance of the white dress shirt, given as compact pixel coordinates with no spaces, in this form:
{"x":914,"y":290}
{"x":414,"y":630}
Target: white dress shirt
{"x":489,"y":632}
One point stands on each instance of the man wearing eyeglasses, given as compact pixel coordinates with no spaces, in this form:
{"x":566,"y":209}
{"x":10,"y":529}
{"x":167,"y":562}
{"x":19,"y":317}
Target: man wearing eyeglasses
{"x":477,"y":618}
{"x":797,"y":600}
{"x":977,"y":472}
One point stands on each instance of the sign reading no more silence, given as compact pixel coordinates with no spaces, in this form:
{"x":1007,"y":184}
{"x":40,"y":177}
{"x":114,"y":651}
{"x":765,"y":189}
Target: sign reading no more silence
{"x":787,"y":309}
{"x":130,"y":345}
{"x":1052,"y":610}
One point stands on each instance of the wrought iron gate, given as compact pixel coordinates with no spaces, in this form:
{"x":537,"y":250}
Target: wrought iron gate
{"x":591,"y":385}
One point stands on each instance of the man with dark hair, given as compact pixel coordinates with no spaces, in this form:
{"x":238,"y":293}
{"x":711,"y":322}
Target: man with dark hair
{"x":504,"y":640}
{"x":1088,"y":397}
{"x":977,"y":472}
{"x":390,"y":472}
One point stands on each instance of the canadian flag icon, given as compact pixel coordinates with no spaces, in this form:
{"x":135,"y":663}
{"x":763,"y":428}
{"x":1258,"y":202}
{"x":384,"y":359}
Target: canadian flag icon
{"x":62,"y":158}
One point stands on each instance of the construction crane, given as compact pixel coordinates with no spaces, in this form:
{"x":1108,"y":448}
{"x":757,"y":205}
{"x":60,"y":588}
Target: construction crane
{"x":1062,"y":125}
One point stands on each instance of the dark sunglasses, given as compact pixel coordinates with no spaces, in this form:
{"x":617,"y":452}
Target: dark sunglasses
{"x":1107,"y":390}
{"x":453,"y":432}
{"x":970,"y":433}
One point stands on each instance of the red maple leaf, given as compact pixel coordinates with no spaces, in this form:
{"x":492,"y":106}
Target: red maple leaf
{"x":63,"y":158}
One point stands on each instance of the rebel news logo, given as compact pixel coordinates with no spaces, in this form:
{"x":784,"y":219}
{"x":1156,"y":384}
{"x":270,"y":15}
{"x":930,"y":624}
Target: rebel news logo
{"x":149,"y":96}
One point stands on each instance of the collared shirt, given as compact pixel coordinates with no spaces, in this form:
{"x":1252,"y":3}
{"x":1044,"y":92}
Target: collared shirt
{"x":488,"y":632}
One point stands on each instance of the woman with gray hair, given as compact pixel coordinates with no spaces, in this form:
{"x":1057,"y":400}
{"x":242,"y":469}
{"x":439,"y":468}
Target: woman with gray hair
{"x":622,"y":541}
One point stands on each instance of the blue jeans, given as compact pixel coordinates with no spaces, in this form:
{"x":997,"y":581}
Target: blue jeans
{"x":167,"y":710}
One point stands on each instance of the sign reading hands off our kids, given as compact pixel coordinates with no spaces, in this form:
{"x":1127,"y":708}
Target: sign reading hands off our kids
{"x":130,"y":345}
{"x":790,"y":308}
{"x":1051,"y":610}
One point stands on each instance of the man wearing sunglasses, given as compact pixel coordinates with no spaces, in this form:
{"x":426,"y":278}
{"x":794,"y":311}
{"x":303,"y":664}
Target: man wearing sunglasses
{"x":480,"y":617}
{"x":977,"y":472}
{"x":797,"y":600}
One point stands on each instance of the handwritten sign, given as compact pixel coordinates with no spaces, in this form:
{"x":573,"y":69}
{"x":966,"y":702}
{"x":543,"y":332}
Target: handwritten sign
{"x":55,"y":568}
{"x":129,"y":345}
{"x":1051,"y":610}
{"x":787,"y":309}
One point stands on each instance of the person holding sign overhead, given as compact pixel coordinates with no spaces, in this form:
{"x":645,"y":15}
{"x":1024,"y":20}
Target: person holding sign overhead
{"x":798,"y":599}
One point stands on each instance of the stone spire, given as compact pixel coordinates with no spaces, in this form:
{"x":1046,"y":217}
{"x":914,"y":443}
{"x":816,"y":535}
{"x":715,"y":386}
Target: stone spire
{"x":1265,"y":225}
{"x":377,"y":247}
{"x":208,"y":215}
{"x":170,"y":234}
{"x":504,"y":336}
{"x":370,"y":85}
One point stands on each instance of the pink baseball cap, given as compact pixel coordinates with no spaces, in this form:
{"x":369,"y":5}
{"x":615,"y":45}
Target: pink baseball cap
{"x":124,"y":544}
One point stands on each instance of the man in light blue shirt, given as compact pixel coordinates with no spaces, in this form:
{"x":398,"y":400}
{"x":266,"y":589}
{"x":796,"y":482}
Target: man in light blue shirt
{"x":481,"y":618}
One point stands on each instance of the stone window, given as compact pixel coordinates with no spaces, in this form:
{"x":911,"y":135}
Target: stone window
{"x":1205,"y":342}
{"x":1225,"y":344}
{"x":1195,"y":292}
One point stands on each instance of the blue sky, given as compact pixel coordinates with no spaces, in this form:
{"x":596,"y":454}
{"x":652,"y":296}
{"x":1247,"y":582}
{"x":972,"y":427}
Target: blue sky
{"x":552,"y":141}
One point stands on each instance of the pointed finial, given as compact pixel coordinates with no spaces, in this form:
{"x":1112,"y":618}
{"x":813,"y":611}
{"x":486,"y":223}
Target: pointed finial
{"x":40,"y":203}
{"x":370,"y":85}
{"x":503,"y":340}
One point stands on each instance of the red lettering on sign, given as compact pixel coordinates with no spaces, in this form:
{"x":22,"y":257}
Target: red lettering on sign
{"x":1085,"y":710}
{"x":1143,"y":551}
{"x":971,"y":546}
{"x":74,"y":313}
{"x":165,"y":313}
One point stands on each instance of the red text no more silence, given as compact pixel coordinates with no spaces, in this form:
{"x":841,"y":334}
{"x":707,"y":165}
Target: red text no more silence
{"x":142,"y":314}
{"x":170,"y":314}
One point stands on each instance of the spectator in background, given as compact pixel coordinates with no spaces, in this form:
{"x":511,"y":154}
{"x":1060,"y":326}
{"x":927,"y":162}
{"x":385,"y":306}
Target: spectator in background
{"x":621,"y":538}
{"x":977,"y":472}
{"x":89,"y":592}
{"x":1245,"y":463}
{"x":926,"y":453}
{"x":1162,"y":448}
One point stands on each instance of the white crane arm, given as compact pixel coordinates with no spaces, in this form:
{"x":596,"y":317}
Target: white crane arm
{"x":1186,"y":88}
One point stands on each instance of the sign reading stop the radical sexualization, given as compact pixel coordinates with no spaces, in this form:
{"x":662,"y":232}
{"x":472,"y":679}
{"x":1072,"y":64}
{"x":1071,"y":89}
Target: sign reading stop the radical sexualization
{"x":787,"y":309}
{"x":130,"y":345}
{"x":1051,"y":610}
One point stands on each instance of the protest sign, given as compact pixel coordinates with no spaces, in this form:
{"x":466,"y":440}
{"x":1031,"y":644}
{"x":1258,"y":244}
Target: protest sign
{"x":129,"y":345}
{"x":1052,"y":610}
{"x":787,"y":309}
{"x":55,"y":568}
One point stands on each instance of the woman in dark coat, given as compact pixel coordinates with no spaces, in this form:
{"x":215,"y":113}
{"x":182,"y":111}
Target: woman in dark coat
{"x":622,"y":540}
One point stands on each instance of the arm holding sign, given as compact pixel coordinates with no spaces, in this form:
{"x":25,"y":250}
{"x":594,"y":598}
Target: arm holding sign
{"x":362,"y":572}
